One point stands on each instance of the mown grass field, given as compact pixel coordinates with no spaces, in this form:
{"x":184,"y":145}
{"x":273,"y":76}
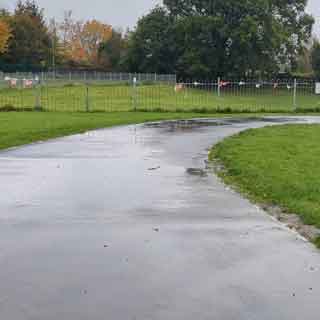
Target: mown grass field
{"x":276,"y":165}
{"x":75,"y":97}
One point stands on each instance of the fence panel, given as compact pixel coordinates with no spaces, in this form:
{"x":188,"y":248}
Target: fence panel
{"x":98,"y":94}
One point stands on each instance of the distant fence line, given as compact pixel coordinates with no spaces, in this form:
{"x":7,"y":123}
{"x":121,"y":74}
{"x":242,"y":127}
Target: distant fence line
{"x":134,"y":93}
{"x":65,"y":75}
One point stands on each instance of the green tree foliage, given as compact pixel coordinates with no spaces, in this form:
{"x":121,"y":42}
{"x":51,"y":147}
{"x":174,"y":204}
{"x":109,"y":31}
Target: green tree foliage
{"x":35,"y":43}
{"x":111,"y":51}
{"x":30,"y":44}
{"x":315,"y":58}
{"x":207,"y":38}
{"x":152,"y":46}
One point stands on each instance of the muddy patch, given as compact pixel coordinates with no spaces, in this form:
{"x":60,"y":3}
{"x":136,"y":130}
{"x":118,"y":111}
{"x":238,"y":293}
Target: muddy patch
{"x":293,"y":221}
{"x":197,"y":172}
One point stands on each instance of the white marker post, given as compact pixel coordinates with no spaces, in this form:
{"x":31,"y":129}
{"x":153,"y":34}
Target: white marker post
{"x":134,"y":94}
{"x":295,"y":95}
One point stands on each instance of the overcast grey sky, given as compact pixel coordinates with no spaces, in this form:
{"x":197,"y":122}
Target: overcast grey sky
{"x":119,"y":13}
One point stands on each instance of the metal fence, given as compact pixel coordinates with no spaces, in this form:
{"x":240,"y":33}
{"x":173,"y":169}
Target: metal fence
{"x":83,"y":75}
{"x":151,"y":95}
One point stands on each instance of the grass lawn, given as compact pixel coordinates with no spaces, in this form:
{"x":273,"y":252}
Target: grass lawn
{"x":17,"y":128}
{"x":119,"y":97}
{"x":276,"y":165}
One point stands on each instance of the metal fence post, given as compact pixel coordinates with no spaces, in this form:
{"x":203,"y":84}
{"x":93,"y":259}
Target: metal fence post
{"x":87,"y":99}
{"x":295,"y":95}
{"x":37,"y":105}
{"x":219,"y":91}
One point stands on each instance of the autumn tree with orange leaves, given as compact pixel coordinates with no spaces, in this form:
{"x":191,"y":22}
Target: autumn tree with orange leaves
{"x":82,"y":40}
{"x":5,"y":34}
{"x":29,"y":41}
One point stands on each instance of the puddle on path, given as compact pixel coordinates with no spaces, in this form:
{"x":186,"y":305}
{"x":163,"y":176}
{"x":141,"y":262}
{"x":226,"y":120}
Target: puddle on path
{"x":187,"y":125}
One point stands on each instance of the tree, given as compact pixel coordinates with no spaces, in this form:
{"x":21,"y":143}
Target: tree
{"x":65,"y":28}
{"x":5,"y":35}
{"x":112,"y":51}
{"x":151,"y":47}
{"x":29,"y":43}
{"x":57,"y":53}
{"x":304,"y":63}
{"x":29,"y":46}
{"x":82,"y":40}
{"x":207,"y":38}
{"x":315,"y":58}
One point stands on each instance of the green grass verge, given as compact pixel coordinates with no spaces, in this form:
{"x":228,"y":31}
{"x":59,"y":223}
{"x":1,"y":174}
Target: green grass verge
{"x":317,"y":242}
{"x":158,"y":97}
{"x":18,"y":128}
{"x":277,"y":165}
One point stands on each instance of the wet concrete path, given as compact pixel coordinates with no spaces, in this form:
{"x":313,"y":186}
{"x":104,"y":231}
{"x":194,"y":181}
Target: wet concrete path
{"x":124,"y":224}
